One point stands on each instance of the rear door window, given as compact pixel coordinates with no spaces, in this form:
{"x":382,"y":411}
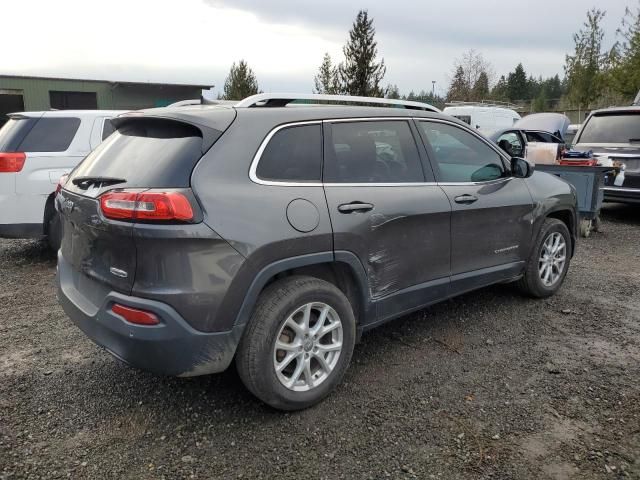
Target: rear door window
{"x":372,"y":152}
{"x":145,"y":153}
{"x":612,"y":128}
{"x":293,"y":154}
{"x":53,"y":134}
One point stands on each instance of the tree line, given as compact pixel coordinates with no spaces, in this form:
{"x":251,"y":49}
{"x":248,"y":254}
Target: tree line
{"x":592,"y":76}
{"x":359,"y":73}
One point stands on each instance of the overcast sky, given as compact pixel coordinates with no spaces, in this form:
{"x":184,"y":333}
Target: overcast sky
{"x":195,"y":41}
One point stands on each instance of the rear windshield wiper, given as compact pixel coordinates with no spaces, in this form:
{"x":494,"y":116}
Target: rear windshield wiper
{"x":85,"y":182}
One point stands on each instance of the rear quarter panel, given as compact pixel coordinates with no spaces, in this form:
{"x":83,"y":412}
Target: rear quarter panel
{"x":252,"y":217}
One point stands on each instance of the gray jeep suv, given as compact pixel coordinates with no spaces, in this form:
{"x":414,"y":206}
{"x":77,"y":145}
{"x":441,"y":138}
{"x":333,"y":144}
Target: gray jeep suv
{"x":276,"y":235}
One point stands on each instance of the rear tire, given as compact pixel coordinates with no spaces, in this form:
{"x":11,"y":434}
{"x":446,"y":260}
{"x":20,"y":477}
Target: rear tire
{"x":54,"y":232}
{"x":548,"y":264}
{"x":298,"y":343}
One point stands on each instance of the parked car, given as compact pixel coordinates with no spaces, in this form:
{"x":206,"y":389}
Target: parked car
{"x":570,"y":134}
{"x":538,"y":137}
{"x":487,"y":118}
{"x":277,"y":236}
{"x":614,"y":134}
{"x":36,"y":149}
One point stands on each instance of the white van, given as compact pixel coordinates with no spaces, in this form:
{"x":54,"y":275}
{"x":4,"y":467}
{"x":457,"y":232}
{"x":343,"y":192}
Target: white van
{"x":486,"y":118}
{"x":36,"y":149}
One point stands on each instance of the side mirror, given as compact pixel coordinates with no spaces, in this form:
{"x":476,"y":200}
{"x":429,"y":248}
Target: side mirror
{"x":521,"y":168}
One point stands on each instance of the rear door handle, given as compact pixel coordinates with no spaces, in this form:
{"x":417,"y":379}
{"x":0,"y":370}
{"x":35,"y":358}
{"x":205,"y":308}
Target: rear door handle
{"x":465,"y":199}
{"x":355,"y":207}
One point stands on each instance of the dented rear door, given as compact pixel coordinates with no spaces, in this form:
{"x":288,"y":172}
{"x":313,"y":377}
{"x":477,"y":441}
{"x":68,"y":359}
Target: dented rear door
{"x":385,"y":211}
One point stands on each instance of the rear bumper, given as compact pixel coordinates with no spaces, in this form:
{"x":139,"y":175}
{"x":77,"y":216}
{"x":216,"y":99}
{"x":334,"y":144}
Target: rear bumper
{"x":622,"y":194}
{"x":21,"y":230}
{"x":171,"y":348}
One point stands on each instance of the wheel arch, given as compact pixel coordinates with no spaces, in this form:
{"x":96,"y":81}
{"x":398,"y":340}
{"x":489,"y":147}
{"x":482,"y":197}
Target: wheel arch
{"x":49,"y":211}
{"x":343,"y":269}
{"x":568,"y":217}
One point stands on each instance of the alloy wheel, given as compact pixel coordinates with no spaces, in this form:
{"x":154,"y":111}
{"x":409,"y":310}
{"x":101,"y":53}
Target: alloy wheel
{"x":308,"y":346}
{"x":552,"y":259}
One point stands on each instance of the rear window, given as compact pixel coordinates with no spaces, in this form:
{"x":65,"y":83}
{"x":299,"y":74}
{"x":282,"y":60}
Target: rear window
{"x":108,"y":128}
{"x":50,"y":135}
{"x":612,"y":128}
{"x":146,"y":153}
{"x":13,"y":132}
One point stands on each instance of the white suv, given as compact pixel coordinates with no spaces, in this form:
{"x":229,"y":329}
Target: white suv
{"x":36,"y":149}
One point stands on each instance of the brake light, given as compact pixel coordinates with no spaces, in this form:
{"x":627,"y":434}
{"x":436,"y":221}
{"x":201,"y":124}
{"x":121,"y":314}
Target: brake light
{"x":61,"y":182}
{"x":12,"y":162}
{"x":135,"y":315}
{"x":147,"y":205}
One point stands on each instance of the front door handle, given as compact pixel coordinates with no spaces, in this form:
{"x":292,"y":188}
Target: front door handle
{"x":355,"y":207}
{"x":465,"y":199}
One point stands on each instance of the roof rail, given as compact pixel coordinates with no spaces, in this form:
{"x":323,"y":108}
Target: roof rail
{"x":201,"y":101}
{"x":484,"y":103}
{"x":283,"y":99}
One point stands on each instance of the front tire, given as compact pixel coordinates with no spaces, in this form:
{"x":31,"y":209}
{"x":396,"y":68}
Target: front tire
{"x":298,"y":343}
{"x":549,"y":261}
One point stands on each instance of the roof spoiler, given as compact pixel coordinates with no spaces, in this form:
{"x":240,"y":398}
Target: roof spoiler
{"x":209,"y":134}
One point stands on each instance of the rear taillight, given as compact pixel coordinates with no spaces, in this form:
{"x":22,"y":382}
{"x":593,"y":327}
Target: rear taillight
{"x":135,"y":315}
{"x":61,"y":182}
{"x":148,"y":206}
{"x":12,"y":162}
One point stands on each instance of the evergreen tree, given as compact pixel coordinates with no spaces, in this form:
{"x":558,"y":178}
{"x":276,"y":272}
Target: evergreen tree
{"x":500,"y":90}
{"x":361,"y":73}
{"x":459,"y":88}
{"x":480,"y":89}
{"x":534,"y":86}
{"x":540,"y":102}
{"x":240,"y":83}
{"x":553,"y":87}
{"x":393,"y":92}
{"x":517,"y":84}
{"x":326,"y":81}
{"x":584,"y":68}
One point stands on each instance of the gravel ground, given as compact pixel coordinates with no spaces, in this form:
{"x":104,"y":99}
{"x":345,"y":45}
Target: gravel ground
{"x":488,"y":385}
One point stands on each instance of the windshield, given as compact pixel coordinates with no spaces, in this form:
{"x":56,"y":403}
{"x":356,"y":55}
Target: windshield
{"x":612,"y":128}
